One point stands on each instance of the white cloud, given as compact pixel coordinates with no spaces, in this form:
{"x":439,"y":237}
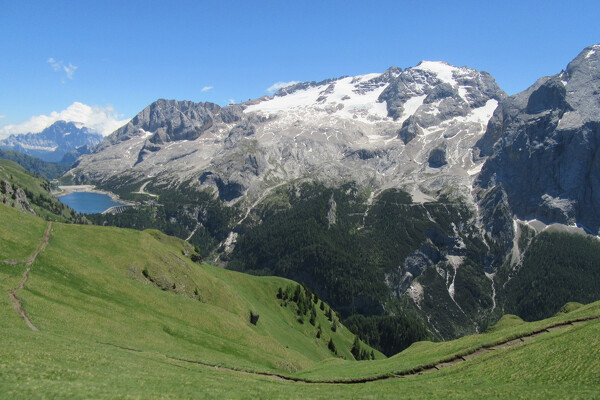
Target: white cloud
{"x":69,"y":69}
{"x":55,"y":64}
{"x":280,"y":85}
{"x":231,"y":101}
{"x":206,"y":88}
{"x":103,"y":120}
{"x":2,"y":116}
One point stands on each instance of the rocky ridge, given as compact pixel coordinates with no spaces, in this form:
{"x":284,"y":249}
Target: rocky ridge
{"x":543,"y":150}
{"x":54,"y":142}
{"x":413,"y":127}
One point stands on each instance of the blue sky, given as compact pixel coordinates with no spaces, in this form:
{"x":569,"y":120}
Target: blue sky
{"x":127,"y":54}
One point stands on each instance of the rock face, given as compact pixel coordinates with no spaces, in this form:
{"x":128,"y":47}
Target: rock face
{"x":15,"y":197}
{"x":54,"y":142}
{"x":377,"y":129}
{"x":544,"y":148}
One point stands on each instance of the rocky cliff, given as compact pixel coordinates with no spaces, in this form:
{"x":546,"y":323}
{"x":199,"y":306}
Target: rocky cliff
{"x":543,"y":148}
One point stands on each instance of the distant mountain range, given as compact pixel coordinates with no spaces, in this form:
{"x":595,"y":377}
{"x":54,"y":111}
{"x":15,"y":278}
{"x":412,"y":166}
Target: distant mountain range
{"x":418,"y":192}
{"x":55,"y":142}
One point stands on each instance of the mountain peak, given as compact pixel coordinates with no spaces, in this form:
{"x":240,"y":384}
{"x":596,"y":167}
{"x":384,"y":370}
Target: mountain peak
{"x":54,"y":142}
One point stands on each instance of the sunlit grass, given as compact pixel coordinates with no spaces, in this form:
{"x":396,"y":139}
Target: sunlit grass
{"x":88,"y":295}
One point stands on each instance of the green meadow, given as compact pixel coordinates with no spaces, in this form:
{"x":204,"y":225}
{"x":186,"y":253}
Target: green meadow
{"x":127,"y":314}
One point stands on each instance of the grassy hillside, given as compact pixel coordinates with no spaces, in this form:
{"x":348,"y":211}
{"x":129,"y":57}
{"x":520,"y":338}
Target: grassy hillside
{"x":37,"y":191}
{"x":35,"y":165}
{"x":142,"y":291}
{"x":127,"y":314}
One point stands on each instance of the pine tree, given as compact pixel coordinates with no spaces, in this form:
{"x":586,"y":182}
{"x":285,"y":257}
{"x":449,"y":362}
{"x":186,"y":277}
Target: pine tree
{"x":355,"y":350}
{"x":297,"y":294}
{"x":363,"y":354}
{"x":331,"y":346}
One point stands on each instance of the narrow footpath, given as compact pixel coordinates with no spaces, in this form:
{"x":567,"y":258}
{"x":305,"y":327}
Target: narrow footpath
{"x":418,"y":370}
{"x":12,"y":294}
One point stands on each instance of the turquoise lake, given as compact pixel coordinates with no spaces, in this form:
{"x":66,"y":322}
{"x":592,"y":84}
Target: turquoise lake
{"x":88,"y":203}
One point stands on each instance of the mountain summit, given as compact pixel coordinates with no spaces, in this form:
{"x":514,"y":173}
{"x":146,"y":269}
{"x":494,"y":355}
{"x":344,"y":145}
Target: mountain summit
{"x":54,"y":142}
{"x":383,"y":129}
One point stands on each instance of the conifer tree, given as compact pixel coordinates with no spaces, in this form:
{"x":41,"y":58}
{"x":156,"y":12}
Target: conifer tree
{"x":331,"y":346}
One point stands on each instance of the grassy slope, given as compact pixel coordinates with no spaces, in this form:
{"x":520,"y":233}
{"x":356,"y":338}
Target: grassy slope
{"x":34,"y":165}
{"x":13,"y":173}
{"x":87,"y":289}
{"x":89,"y":284}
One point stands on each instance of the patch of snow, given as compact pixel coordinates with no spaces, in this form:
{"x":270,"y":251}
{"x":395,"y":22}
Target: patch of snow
{"x":443,"y":70}
{"x":343,"y":101}
{"x":300,"y":98}
{"x":368,"y":77}
{"x":483,"y":114}
{"x":410,"y":107}
{"x":591,"y":52}
{"x":145,"y":134}
{"x":41,"y":148}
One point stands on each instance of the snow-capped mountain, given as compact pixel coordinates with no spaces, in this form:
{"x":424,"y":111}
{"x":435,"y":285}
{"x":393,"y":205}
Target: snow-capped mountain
{"x":54,"y":142}
{"x":411,"y":128}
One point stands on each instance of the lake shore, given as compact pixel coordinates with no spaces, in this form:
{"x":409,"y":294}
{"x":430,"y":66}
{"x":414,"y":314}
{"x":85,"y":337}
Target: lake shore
{"x":68,"y":189}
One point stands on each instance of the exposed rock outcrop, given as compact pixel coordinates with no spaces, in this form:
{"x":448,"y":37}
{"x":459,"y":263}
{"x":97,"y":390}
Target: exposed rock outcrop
{"x":15,"y":197}
{"x":544,"y":148}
